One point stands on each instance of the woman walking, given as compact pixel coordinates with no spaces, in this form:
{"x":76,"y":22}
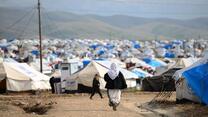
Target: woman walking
{"x":96,"y":87}
{"x":114,"y":83}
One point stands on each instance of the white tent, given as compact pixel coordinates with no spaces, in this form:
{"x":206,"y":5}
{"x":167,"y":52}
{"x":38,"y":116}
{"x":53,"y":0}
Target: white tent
{"x":192,"y":64}
{"x":180,"y":63}
{"x":138,"y":62}
{"x":86,"y":75}
{"x":182,"y":88}
{"x":45,"y":65}
{"x":21,"y":77}
{"x":46,"y":69}
{"x":118,"y":62}
{"x":185,"y":62}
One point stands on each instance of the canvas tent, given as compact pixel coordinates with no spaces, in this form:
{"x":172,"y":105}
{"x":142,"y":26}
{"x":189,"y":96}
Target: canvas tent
{"x":86,"y":75}
{"x":118,"y":62}
{"x":46,"y":69}
{"x":185,"y":62}
{"x":164,"y":78}
{"x":192,"y":82}
{"x":21,"y":77}
{"x":162,"y":82}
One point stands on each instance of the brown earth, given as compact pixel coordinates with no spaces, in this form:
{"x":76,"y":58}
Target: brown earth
{"x":133,"y":104}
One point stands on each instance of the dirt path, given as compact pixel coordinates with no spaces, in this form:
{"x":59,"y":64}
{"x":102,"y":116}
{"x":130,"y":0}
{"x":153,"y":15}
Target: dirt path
{"x":76,"y":106}
{"x":81,"y":106}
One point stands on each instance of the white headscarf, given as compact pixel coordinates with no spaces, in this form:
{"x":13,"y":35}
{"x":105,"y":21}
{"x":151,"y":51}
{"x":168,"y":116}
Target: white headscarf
{"x":113,"y":72}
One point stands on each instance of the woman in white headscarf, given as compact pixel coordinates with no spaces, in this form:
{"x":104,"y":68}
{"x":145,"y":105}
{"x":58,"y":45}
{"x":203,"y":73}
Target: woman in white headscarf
{"x":114,"y":83}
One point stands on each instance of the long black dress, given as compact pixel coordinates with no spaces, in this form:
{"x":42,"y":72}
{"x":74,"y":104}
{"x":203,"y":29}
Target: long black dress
{"x":96,"y":88}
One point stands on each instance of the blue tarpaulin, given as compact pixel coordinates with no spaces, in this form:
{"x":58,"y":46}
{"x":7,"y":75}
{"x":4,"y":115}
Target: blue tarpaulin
{"x":109,"y":46}
{"x":86,"y":62}
{"x":99,"y":59}
{"x":152,"y":62}
{"x":139,"y":74}
{"x":100,"y":52}
{"x":168,"y":46}
{"x":197,"y":79}
{"x":35,"y":52}
{"x":169,"y":55}
{"x":94,"y":46}
{"x":137,"y":46}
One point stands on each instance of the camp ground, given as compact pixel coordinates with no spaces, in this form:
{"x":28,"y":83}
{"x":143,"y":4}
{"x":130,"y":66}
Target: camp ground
{"x":156,"y":75}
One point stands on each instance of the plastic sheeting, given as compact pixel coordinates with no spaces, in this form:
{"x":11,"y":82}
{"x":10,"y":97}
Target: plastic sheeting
{"x":140,"y":73}
{"x":152,"y":62}
{"x":197,"y":79}
{"x":137,"y":46}
{"x":169,"y":55}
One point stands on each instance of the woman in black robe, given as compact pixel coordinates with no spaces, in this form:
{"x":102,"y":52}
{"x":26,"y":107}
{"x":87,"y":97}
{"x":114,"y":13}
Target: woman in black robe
{"x":114,"y":83}
{"x":96,"y":87}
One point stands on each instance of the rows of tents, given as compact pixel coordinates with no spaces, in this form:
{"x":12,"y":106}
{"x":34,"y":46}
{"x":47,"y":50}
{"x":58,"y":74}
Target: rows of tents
{"x":189,"y":77}
{"x":190,"y":81}
{"x":22,"y":77}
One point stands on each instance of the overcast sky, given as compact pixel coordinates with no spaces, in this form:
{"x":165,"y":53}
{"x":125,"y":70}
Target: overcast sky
{"x":179,"y":9}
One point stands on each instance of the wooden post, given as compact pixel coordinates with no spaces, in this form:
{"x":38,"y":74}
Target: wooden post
{"x":40,"y":38}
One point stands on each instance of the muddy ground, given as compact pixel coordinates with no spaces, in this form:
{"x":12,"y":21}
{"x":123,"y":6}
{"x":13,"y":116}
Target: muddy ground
{"x":133,"y":104}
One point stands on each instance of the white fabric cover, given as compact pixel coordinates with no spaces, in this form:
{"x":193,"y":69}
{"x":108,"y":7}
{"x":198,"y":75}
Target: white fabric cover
{"x":183,"y":91}
{"x":21,"y":77}
{"x":185,"y":62}
{"x":36,"y":66}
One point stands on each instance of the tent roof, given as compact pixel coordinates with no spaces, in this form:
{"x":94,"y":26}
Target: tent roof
{"x":117,"y":61}
{"x":22,"y":71}
{"x":139,"y":62}
{"x":36,"y":66}
{"x":185,"y":62}
{"x":194,"y":63}
{"x":141,"y":73}
{"x":154,"y":62}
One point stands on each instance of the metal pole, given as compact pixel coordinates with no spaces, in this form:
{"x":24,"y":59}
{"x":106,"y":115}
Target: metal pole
{"x":194,"y":48}
{"x":40,"y":38}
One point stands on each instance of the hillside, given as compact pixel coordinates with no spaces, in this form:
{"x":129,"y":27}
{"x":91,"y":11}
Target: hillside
{"x":69,"y":25}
